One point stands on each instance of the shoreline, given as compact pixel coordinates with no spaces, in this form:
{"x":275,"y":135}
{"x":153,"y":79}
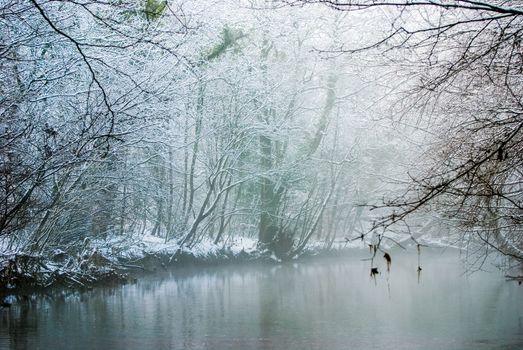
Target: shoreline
{"x":117,"y":261}
{"x":23,"y":275}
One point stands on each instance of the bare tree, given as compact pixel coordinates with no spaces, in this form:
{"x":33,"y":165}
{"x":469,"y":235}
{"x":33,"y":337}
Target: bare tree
{"x":467,"y":56}
{"x":75,"y":83}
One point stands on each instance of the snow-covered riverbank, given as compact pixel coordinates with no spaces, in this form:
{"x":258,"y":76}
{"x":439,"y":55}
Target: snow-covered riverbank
{"x":110,"y":260}
{"x":120,"y":258}
{"x":115,"y":260}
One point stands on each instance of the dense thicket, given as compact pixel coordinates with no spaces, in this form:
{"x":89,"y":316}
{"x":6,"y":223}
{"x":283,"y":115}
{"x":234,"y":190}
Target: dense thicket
{"x":207,"y":122}
{"x":185,"y":121}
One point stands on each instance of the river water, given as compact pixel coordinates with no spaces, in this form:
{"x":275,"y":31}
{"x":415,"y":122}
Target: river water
{"x":324,"y":303}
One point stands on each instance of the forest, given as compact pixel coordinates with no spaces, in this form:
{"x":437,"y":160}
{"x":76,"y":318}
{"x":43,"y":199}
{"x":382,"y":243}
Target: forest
{"x":130,"y":128}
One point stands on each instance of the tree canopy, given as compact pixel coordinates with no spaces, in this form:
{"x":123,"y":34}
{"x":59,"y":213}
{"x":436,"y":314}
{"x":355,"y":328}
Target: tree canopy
{"x":195,"y":122}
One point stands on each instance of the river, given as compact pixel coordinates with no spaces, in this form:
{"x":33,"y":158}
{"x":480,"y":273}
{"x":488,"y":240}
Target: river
{"x":324,"y":303}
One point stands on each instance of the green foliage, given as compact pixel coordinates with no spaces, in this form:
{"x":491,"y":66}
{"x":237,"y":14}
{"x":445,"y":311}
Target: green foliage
{"x":154,"y":9}
{"x":229,"y":39}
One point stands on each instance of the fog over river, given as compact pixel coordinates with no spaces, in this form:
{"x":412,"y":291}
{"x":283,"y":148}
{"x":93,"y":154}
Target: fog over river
{"x":328,"y":303}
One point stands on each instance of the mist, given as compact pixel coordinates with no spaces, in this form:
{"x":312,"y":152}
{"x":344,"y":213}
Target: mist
{"x":151,"y":135}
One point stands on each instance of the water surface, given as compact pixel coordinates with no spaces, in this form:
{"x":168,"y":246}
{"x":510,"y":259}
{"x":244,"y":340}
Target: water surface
{"x":315,"y":304}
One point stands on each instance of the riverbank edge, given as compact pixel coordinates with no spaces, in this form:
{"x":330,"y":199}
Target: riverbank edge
{"x":48,"y":275}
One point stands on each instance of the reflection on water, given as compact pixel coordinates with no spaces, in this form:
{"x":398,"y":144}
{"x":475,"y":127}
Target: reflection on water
{"x":319,"y":304}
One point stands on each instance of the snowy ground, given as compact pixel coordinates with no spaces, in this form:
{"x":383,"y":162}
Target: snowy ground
{"x":130,"y":250}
